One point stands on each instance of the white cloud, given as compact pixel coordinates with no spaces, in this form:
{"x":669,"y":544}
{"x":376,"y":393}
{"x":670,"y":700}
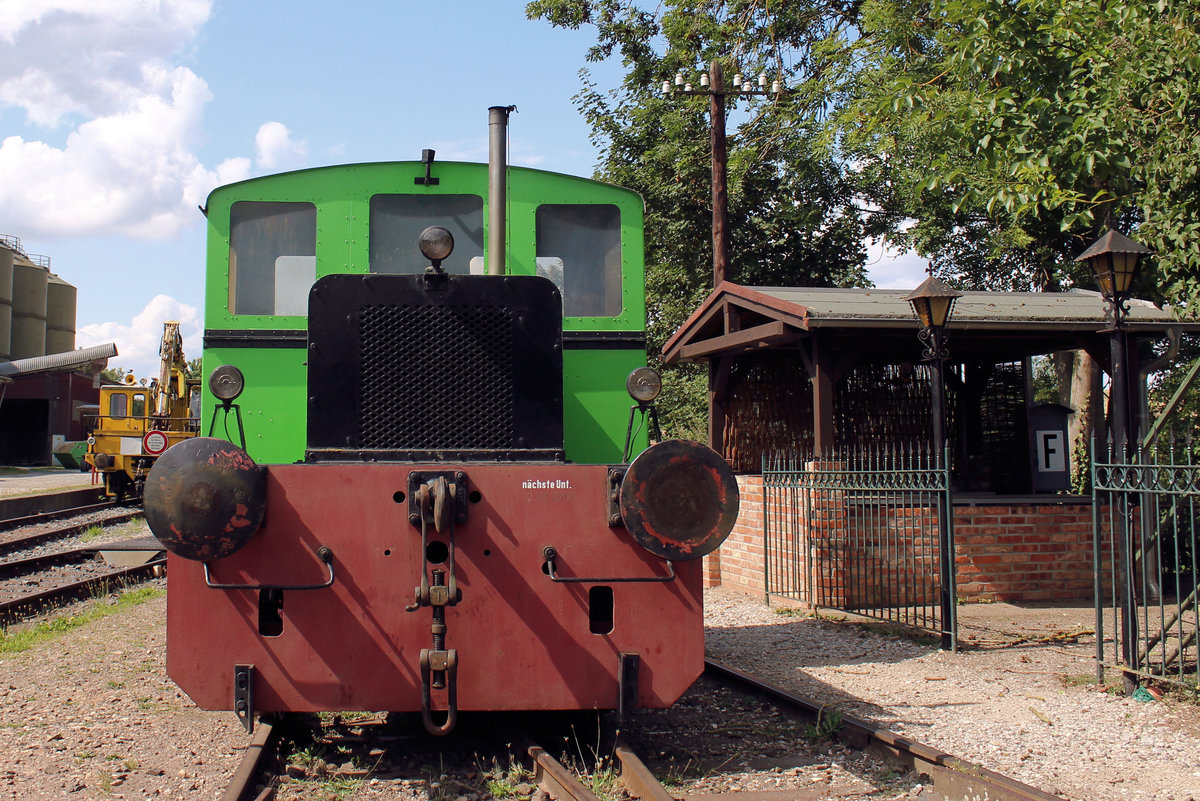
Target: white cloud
{"x":275,"y":148}
{"x":892,"y":269}
{"x":88,"y":57}
{"x":128,"y":167}
{"x":138,"y":341}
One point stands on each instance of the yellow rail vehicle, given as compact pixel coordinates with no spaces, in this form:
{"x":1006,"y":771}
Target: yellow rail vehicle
{"x":127,"y":438}
{"x":136,"y":424}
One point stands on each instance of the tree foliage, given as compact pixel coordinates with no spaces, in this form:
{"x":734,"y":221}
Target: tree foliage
{"x":1015,"y":131}
{"x":114,"y":375}
{"x":999,"y":138}
{"x":794,"y":211}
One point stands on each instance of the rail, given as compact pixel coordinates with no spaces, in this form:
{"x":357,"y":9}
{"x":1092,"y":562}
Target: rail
{"x":951,"y":777}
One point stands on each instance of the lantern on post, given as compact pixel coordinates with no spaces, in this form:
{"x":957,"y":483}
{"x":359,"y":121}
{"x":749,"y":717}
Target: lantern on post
{"x":1114,"y":259}
{"x":933,"y":303}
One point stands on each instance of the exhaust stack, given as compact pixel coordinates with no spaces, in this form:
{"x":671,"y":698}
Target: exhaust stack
{"x":497,"y":187}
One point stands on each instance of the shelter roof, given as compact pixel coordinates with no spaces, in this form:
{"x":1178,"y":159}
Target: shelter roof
{"x":879,"y":324}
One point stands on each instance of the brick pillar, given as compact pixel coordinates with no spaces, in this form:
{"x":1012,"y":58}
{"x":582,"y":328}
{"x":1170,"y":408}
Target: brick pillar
{"x":711,"y":569}
{"x":827,"y":531}
{"x":738,"y":563}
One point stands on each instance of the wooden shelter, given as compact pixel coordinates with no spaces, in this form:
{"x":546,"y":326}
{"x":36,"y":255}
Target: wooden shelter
{"x":812,"y":369}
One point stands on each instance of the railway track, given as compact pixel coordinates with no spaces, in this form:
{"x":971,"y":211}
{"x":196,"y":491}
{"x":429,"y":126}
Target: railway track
{"x":950,"y":777}
{"x":258,"y":773}
{"x":930,"y":773}
{"x":21,"y":541}
{"x":45,"y":565}
{"x":28,"y":510}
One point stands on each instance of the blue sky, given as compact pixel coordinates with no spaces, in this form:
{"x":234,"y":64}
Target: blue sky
{"x":117,"y":117}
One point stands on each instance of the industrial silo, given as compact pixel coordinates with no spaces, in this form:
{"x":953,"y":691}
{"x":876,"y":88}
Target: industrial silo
{"x":29,"y":308}
{"x":60,"y":315}
{"x":6,"y":297}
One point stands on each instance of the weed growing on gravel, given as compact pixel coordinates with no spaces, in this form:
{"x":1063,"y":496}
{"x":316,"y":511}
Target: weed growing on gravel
{"x":1188,"y":691}
{"x":829,"y":723}
{"x":308,"y":756}
{"x":509,"y":781}
{"x":90,"y":533}
{"x":901,"y":632}
{"x":676,"y":776}
{"x":12,"y":642}
{"x":596,"y":771}
{"x":603,"y":780}
{"x":792,"y":611}
{"x":1083,"y":680}
{"x":339,"y":787}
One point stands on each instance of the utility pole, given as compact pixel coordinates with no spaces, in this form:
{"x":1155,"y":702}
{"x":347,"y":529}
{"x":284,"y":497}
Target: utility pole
{"x":712,"y":84}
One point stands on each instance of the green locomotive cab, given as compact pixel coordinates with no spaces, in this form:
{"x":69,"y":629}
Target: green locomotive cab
{"x":272,"y":238}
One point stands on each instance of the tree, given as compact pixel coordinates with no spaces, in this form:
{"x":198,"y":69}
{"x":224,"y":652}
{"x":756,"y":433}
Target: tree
{"x":794,"y":213}
{"x":997,"y":137}
{"x":114,"y":375}
{"x":1016,"y":131}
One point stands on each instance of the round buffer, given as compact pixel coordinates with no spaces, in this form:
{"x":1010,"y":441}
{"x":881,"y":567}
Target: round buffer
{"x":679,"y":500}
{"x":205,"y":498}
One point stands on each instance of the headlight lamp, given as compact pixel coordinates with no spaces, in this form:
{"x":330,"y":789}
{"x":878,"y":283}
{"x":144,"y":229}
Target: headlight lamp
{"x":644,"y":384}
{"x":226,"y":383}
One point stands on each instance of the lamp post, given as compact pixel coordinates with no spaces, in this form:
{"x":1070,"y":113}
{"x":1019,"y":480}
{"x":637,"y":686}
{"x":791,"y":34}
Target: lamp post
{"x":1115,"y":259}
{"x":933,"y":303}
{"x":712,"y":84}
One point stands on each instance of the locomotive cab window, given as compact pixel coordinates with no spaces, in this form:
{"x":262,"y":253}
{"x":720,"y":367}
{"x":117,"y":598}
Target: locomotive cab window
{"x":118,"y":405}
{"x":139,"y":405}
{"x":398,"y":220}
{"x":272,"y":257}
{"x":579,"y":248}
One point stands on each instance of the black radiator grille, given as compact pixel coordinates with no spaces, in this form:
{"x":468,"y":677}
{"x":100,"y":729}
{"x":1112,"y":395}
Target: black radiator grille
{"x":436,"y":377}
{"x":412,"y":368}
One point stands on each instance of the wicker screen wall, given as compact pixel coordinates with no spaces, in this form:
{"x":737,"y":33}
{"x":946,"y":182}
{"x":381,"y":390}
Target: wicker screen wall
{"x":883,"y":407}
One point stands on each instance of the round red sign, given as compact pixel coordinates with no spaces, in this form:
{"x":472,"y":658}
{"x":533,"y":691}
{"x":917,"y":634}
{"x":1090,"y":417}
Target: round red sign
{"x":154,"y":443}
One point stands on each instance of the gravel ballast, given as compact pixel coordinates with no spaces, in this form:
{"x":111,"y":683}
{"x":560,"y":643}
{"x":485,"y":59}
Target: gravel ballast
{"x":90,"y":713}
{"x":1001,"y":702}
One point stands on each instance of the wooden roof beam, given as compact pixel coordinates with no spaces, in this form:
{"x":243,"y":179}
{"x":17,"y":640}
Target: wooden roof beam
{"x":766,"y":335}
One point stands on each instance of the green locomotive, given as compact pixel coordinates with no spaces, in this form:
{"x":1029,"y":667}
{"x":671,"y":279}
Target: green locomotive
{"x":426,"y":367}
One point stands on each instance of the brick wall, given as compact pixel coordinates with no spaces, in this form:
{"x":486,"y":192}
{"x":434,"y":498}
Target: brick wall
{"x":1021,"y":552}
{"x":738,"y":563}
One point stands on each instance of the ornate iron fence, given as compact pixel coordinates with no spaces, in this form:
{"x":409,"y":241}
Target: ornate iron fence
{"x":1146,"y":512}
{"x":865,"y":531}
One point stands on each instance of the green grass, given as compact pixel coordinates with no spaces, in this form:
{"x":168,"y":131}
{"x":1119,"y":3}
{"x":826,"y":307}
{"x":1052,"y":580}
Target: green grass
{"x":12,"y":642}
{"x":503,"y":782}
{"x":90,"y":533}
{"x":340,"y":787}
{"x":1078,"y":680}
